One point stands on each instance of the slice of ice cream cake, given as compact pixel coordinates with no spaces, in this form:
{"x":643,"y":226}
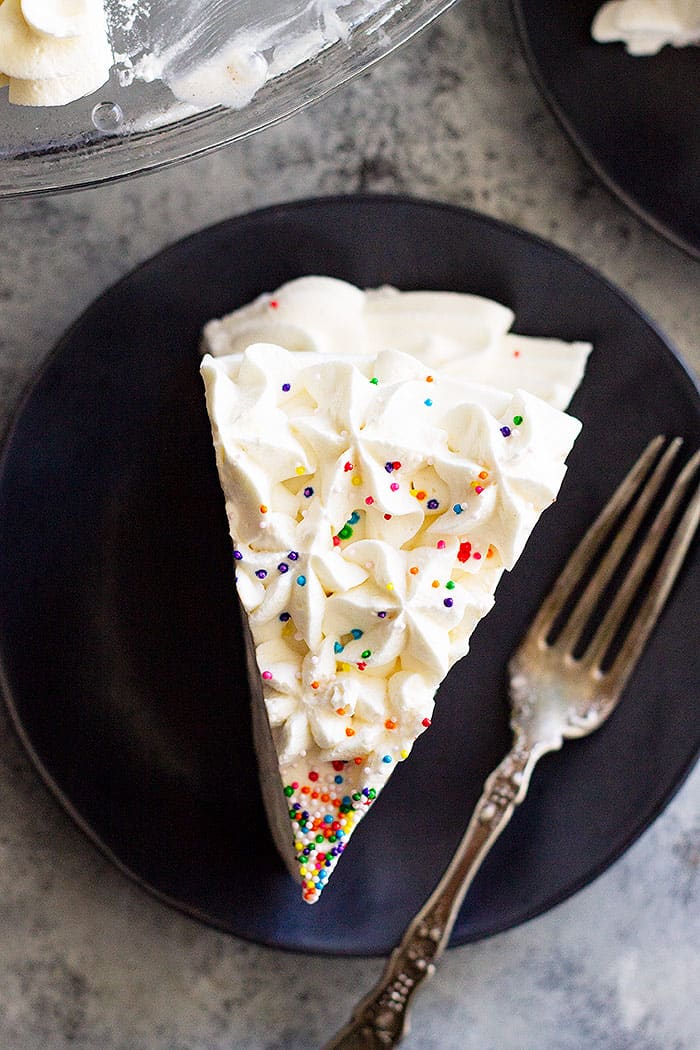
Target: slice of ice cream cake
{"x":373,"y":506}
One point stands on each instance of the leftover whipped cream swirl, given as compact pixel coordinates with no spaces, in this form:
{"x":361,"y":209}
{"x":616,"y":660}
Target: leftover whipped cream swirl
{"x":645,"y":26}
{"x":53,"y":51}
{"x":374,"y":506}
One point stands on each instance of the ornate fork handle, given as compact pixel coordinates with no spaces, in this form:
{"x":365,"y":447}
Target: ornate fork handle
{"x":381,"y":1019}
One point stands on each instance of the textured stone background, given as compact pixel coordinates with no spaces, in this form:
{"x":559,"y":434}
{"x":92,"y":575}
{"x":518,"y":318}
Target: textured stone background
{"x":89,"y":961}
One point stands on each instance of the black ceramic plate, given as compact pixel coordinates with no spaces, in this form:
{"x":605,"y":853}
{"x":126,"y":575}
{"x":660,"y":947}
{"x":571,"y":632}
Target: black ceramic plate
{"x":635,"y":120}
{"x":119,"y":636}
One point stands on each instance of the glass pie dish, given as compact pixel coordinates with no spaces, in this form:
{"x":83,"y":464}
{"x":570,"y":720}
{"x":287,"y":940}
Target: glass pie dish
{"x":147,"y":115}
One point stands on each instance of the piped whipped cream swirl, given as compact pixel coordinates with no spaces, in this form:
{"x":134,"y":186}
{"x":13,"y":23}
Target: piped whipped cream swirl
{"x":645,"y":26}
{"x":53,"y":51}
{"x":374,"y":506}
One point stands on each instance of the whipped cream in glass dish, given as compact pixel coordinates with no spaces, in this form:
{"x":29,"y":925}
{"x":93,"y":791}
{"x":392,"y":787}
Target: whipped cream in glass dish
{"x":174,"y":79}
{"x":645,"y":26}
{"x":374,"y":499}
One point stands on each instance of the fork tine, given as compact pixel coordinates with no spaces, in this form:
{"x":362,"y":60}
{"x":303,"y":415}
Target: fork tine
{"x":660,"y":588}
{"x":610,"y":561}
{"x":580,"y":559}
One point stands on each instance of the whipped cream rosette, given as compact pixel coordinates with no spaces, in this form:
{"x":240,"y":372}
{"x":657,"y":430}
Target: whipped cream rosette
{"x":373,"y":506}
{"x":645,"y":26}
{"x":53,"y":51}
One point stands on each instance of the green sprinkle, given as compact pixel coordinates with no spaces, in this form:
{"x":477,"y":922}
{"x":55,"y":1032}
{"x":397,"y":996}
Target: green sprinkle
{"x":346,"y":532}
{"x":289,"y":791}
{"x":450,"y":585}
{"x":374,"y":380}
{"x":517,"y":420}
{"x":366,"y":654}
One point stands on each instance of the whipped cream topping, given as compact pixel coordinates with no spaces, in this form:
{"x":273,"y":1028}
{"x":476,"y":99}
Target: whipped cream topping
{"x":645,"y":26}
{"x":467,"y":336}
{"x":374,"y":507}
{"x":53,"y":51}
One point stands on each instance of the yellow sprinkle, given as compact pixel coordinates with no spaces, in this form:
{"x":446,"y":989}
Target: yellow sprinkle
{"x":343,"y":667}
{"x":298,"y":846}
{"x":301,"y":470}
{"x":414,"y":492}
{"x":390,"y":586}
{"x":357,"y":480}
{"x":404,"y":754}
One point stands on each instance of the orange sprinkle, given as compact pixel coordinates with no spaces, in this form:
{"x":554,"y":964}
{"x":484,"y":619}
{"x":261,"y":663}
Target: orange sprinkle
{"x":413,"y":570}
{"x":358,"y":761}
{"x":314,"y":685}
{"x":428,"y":379}
{"x":490,"y":552}
{"x":483,"y":475}
{"x":263,"y":508}
{"x":421,"y":494}
{"x":306,"y":789}
{"x":390,"y":724}
{"x":340,"y":710}
{"x":325,"y":797}
{"x":436,"y":583}
{"x":349,"y":731}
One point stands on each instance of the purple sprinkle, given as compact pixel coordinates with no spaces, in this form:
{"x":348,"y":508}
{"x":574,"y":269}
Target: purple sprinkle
{"x":286,"y":387}
{"x":388,"y":467}
{"x":261,"y":573}
{"x":505,"y":431}
{"x":381,"y":615}
{"x":448,"y":602}
{"x":433,"y":504}
{"x":308,"y":491}
{"x":237,"y":555}
{"x":284,"y":617}
{"x":283,"y":567}
{"x":293,"y":555}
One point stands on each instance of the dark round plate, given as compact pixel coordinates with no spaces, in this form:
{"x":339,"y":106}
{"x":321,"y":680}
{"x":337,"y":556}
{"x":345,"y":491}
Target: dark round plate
{"x":120,"y":641}
{"x":635,"y":120}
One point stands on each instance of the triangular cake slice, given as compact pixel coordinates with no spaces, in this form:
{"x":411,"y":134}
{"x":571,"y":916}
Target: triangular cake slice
{"x":373,"y":508}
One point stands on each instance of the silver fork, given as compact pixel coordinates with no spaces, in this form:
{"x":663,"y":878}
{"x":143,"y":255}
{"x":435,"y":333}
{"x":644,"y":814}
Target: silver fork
{"x":557,"y":694}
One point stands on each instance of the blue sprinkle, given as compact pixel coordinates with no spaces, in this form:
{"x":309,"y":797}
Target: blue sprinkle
{"x":338,"y":779}
{"x":387,"y":758}
{"x":328,"y":819}
{"x":428,"y":401}
{"x":354,"y":518}
{"x":458,"y":508}
{"x":301,"y":580}
{"x":347,"y":801}
{"x":356,"y":633}
{"x":337,"y":647}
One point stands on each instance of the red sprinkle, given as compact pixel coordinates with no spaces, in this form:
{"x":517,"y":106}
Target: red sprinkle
{"x":465,"y":551}
{"x":348,"y":466}
{"x":274,"y":304}
{"x":426,"y":722}
{"x":313,"y":776}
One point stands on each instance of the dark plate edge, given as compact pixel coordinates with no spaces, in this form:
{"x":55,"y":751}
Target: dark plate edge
{"x":659,"y":227}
